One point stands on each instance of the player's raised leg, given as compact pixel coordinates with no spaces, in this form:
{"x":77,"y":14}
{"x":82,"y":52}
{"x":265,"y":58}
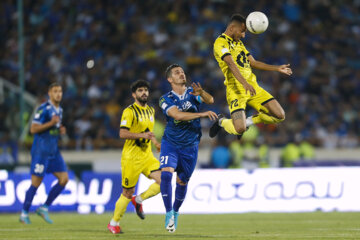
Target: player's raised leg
{"x":237,"y":125}
{"x":29,"y":196}
{"x":270,"y":112}
{"x":153,"y":190}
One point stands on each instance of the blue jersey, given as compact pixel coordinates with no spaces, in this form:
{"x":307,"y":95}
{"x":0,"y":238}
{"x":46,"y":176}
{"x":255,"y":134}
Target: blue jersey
{"x":46,"y":142}
{"x":181,"y":133}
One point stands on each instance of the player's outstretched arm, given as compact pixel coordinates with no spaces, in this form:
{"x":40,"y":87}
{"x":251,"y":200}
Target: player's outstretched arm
{"x":187,"y":116}
{"x":38,"y":128}
{"x":285,"y":68}
{"x":126,"y":134}
{"x":199,"y":91}
{"x":236,"y":72}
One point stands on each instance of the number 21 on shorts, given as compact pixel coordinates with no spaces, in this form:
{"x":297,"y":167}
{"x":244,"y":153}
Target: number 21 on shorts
{"x":164,"y":160}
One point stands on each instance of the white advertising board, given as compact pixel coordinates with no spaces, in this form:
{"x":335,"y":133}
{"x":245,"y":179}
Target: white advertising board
{"x":266,"y":190}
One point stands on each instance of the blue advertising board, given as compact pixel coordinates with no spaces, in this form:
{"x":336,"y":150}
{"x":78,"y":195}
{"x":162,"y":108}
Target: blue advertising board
{"x":96,"y":192}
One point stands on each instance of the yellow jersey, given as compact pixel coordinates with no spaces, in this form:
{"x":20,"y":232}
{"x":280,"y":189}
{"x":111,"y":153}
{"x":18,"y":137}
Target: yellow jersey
{"x":137,"y":119}
{"x":225,"y":45}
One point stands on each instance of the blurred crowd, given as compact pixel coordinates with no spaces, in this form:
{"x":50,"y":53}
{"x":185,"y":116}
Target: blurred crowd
{"x":96,"y":49}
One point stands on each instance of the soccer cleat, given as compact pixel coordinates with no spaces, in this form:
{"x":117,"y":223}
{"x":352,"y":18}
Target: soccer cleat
{"x":169,"y":222}
{"x":176,"y":215}
{"x":43,"y":212}
{"x":215,"y":128}
{"x":24,"y":217}
{"x":114,"y":229}
{"x":138,"y":207}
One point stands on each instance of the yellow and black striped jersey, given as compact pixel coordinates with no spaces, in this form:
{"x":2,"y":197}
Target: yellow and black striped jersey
{"x":137,"y":119}
{"x":225,"y":45}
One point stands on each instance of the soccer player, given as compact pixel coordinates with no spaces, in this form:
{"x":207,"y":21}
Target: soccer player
{"x":242,"y":88}
{"x":45,"y":155}
{"x":179,"y":145}
{"x":137,"y":123}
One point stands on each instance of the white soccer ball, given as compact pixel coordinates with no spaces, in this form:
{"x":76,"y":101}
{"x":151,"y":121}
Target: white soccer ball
{"x":257,"y":22}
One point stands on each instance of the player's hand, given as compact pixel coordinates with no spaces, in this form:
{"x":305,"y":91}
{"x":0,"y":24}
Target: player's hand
{"x":197,"y":89}
{"x":210,"y":114}
{"x":54,"y":120}
{"x":249,"y":88}
{"x":158,"y":146}
{"x":148,"y":135}
{"x":62,"y":130}
{"x":285,"y":69}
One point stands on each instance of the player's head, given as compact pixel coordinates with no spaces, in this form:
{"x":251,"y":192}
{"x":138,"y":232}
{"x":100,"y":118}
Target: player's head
{"x":55,"y":93}
{"x":140,"y":91}
{"x":236,"y":27}
{"x":175,"y":74}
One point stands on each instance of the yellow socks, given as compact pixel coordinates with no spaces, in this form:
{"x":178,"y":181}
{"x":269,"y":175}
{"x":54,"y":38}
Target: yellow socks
{"x":264,"y":118}
{"x":228,"y":126}
{"x":153,"y":190}
{"x":120,"y":207}
{"x":123,"y":202}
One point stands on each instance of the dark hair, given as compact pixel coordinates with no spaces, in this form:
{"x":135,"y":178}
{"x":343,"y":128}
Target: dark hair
{"x":237,"y":18}
{"x":54,"y":84}
{"x":138,"y":84}
{"x":169,"y":68}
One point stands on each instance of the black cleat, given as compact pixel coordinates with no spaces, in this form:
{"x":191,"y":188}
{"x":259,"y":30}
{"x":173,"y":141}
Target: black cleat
{"x":138,"y":207}
{"x":215,"y":128}
{"x":239,"y":137}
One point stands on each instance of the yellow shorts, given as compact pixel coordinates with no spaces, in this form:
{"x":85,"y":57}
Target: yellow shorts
{"x":237,"y":98}
{"x":131,"y":169}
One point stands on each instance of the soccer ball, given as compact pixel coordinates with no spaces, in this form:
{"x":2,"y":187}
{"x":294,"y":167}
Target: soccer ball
{"x":257,"y":22}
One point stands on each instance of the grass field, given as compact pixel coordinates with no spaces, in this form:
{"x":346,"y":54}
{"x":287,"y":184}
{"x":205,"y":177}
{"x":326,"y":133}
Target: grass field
{"x":315,"y":225}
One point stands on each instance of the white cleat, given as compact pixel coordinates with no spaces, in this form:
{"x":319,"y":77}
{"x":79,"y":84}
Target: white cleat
{"x":171,"y":225}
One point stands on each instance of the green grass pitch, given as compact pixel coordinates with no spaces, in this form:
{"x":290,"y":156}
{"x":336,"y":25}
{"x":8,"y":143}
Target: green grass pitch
{"x":316,"y":225}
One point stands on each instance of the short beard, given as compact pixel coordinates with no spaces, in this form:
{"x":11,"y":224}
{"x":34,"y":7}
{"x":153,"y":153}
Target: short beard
{"x":56,"y":102}
{"x":143,"y":102}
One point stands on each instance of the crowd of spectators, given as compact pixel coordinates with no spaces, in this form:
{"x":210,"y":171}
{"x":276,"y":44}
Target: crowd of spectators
{"x":96,"y":49}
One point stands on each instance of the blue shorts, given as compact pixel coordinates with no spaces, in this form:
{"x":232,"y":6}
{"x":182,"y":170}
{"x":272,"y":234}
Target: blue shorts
{"x":41,"y":164}
{"x":182,"y":159}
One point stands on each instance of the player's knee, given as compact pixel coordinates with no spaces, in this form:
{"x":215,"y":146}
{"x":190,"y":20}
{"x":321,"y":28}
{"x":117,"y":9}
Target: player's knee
{"x":240,"y":129}
{"x":281,"y":116}
{"x":128,"y":192}
{"x":156,"y":175}
{"x":158,"y":179}
{"x":64,"y":180}
{"x":36,"y":183}
{"x":180,"y":182}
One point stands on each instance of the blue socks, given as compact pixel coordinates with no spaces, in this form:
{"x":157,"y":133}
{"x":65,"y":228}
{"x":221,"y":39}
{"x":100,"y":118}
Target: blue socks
{"x":166,"y":189}
{"x":30,"y":193}
{"x":54,"y":192}
{"x":29,"y":196}
{"x":180,"y":194}
{"x":166,"y":192}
